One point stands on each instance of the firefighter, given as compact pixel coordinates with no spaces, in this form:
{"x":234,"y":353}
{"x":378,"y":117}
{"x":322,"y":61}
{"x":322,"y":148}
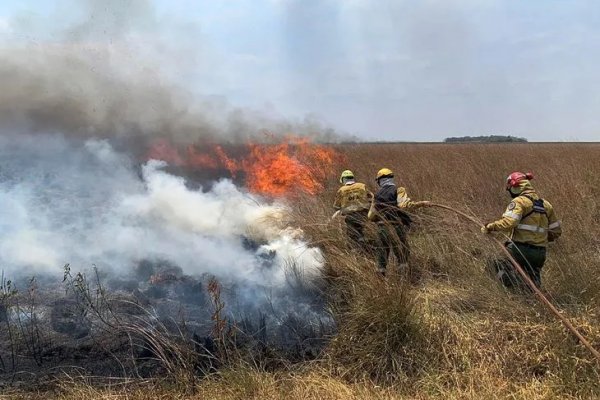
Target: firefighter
{"x":531,"y":223}
{"x":388,"y":210}
{"x":352,"y":201}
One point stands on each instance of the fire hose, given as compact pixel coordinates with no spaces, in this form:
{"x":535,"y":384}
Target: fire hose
{"x":538,"y":293}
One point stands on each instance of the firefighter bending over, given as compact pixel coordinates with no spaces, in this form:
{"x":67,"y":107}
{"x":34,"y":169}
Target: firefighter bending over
{"x":532,"y":223}
{"x":352,"y":201}
{"x":388,"y":211}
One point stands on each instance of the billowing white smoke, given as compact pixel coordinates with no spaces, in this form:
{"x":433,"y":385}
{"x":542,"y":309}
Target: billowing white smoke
{"x":70,"y":201}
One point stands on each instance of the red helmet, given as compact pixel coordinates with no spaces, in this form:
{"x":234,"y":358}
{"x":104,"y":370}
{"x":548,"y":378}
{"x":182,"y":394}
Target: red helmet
{"x":514,"y":180}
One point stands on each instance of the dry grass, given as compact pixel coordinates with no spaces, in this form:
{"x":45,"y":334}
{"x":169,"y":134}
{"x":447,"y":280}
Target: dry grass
{"x":455,"y":333}
{"x":447,"y":331}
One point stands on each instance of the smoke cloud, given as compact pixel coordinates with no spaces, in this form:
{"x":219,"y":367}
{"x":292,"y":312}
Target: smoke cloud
{"x":156,"y":240}
{"x":87,"y":93}
{"x":80,"y":202}
{"x":152,"y":234}
{"x":78,"y":105}
{"x":119,"y":71}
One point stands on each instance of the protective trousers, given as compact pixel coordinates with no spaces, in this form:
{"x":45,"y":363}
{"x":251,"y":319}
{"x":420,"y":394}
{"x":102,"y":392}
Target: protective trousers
{"x":530,"y":258}
{"x":355,"y":226}
{"x":392,"y":237}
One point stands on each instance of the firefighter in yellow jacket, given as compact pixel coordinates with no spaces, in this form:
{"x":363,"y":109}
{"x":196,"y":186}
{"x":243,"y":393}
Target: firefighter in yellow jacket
{"x":531,"y":223}
{"x":352,"y":201}
{"x":388,"y":210}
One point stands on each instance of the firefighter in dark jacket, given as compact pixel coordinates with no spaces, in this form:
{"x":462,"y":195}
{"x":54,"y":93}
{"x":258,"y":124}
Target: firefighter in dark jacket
{"x":388,"y":210}
{"x":531,"y":223}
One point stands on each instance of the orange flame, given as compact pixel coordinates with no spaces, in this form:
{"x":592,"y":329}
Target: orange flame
{"x":291,"y":167}
{"x":231,"y":165}
{"x":288,"y":168}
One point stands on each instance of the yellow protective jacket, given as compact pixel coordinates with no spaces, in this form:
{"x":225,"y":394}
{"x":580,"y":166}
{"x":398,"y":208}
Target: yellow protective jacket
{"x":527,"y":225}
{"x":405,"y":202}
{"x":352,"y":197}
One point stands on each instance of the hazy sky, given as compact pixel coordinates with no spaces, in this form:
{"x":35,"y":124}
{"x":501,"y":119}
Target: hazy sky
{"x":380,"y":69}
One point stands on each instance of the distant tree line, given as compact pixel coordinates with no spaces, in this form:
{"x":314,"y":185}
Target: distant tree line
{"x":485,"y":139}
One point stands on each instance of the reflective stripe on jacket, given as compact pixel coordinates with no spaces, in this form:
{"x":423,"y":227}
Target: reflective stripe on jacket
{"x":526,"y":225}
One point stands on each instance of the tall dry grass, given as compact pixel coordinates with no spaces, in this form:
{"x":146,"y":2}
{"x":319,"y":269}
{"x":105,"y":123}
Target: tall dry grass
{"x":447,"y":331}
{"x":455,"y":331}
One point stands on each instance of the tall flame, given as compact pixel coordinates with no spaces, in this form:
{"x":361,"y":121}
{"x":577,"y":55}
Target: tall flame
{"x":290,"y":167}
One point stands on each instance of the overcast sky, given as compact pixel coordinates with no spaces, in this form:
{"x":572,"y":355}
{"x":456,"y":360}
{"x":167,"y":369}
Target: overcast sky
{"x":379,"y":69}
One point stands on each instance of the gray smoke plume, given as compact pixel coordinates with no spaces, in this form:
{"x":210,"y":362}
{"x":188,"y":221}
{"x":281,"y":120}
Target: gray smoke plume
{"x":75,"y":114}
{"x":116,"y":73}
{"x":77,"y":106}
{"x":148,"y":233}
{"x":153,"y":240}
{"x":86,"y":93}
{"x":80,"y":202}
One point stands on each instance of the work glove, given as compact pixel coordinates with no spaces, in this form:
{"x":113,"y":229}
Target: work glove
{"x":486,"y":229}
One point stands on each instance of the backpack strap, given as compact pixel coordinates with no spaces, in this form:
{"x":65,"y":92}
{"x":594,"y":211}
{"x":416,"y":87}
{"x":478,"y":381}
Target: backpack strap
{"x":538,"y":207}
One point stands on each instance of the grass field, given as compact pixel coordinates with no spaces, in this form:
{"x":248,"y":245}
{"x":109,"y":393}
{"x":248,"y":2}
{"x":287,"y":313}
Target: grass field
{"x":448,"y":331}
